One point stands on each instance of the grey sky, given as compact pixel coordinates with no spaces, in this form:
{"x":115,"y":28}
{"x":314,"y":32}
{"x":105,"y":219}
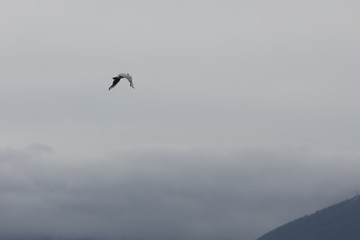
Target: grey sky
{"x":237,"y":103}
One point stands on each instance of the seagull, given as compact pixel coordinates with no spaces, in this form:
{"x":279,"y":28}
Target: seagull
{"x":120,"y":76}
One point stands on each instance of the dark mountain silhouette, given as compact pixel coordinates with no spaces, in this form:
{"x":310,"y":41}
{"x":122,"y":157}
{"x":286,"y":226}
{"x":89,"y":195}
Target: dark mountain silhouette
{"x":338,"y":222}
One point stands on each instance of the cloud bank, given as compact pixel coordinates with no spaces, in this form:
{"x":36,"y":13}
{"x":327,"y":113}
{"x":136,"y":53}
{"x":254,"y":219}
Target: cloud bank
{"x":167,"y":193}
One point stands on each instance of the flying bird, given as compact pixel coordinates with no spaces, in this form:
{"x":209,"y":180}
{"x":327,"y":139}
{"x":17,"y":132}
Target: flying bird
{"x":120,"y":76}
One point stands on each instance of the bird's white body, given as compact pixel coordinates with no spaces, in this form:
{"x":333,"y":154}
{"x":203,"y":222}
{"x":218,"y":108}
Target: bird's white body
{"x":120,"y":76}
{"x":125,"y":75}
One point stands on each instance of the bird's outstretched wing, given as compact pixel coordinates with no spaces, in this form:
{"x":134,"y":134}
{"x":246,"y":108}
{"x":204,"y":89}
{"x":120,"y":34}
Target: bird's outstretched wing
{"x":128,"y":77}
{"x":131,"y":84}
{"x":116,"y":81}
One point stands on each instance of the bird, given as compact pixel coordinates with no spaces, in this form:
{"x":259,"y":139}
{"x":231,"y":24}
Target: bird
{"x":120,"y":76}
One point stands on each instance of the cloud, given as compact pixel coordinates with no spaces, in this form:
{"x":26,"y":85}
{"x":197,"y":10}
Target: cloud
{"x":228,"y":74}
{"x":168,"y":194}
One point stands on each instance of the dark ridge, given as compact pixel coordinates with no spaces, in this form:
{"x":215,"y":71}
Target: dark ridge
{"x":337,"y":222}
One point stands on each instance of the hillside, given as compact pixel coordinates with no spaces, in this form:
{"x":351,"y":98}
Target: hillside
{"x":340,"y":221}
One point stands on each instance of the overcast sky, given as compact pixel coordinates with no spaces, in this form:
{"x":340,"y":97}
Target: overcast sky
{"x":245,"y":115}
